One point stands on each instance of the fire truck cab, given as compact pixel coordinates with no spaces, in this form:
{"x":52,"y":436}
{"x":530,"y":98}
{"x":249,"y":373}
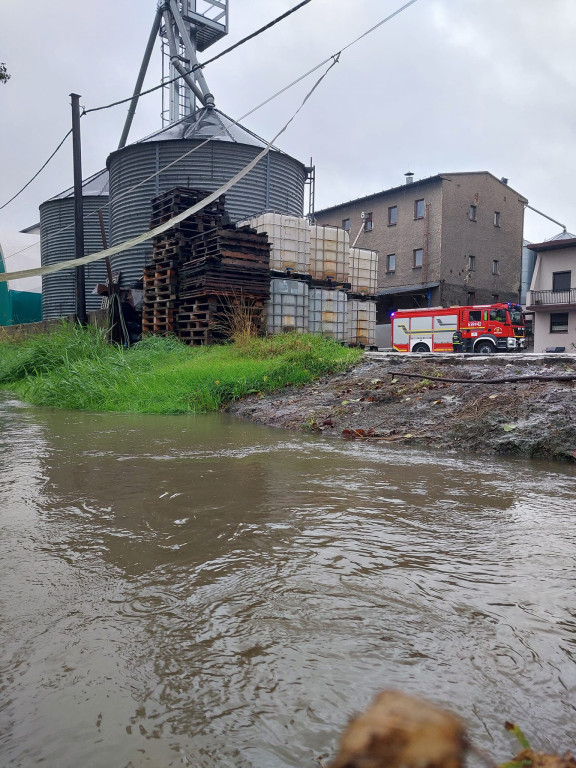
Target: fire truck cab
{"x":483,"y":328}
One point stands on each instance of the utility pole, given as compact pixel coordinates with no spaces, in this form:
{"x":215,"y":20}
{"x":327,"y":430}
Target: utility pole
{"x":81,"y":315}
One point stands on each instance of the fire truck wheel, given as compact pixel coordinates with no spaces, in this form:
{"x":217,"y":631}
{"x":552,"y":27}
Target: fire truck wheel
{"x":484,"y":348}
{"x":421,"y":348}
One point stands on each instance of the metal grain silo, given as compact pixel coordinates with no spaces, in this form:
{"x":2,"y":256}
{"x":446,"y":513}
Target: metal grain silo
{"x":57,"y":243}
{"x":275,"y":184}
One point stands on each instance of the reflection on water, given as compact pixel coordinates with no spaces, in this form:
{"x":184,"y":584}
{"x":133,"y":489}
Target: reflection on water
{"x":201,"y":591}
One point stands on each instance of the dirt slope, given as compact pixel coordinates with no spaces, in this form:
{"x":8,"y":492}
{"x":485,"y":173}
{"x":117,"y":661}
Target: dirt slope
{"x":375,"y":402}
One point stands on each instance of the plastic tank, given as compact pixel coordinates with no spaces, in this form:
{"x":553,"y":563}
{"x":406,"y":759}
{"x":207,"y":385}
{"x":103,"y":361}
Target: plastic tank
{"x":361,"y":322}
{"x":216,"y":149}
{"x":57,"y":243}
{"x":287,"y":309}
{"x":327,"y":313}
{"x":289,"y":237}
{"x":363,"y":267}
{"x":329,"y":253}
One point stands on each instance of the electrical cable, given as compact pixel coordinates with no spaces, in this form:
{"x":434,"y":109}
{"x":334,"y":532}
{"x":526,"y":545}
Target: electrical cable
{"x":253,"y":35}
{"x":167,"y":82}
{"x":143,"y":237}
{"x":243,"y":117}
{"x":37,"y":173}
{"x":201,"y":65}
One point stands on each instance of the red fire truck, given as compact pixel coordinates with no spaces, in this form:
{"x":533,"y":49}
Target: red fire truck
{"x":484,"y":328}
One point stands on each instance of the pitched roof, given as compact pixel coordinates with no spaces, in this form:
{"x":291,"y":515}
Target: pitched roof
{"x":563,"y":239}
{"x":418,"y":183}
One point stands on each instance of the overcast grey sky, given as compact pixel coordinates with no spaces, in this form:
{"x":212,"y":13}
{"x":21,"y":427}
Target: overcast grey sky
{"x":449,"y":85}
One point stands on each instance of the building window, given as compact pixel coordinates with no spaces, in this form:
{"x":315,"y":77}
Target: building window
{"x":496,"y":218}
{"x":418,"y":258}
{"x":472,"y":213}
{"x":346,"y":224}
{"x":418,"y":209}
{"x":471,"y":263}
{"x":470,"y":297}
{"x":392,"y":215}
{"x":391,"y":262}
{"x":367,"y":222}
{"x":559,"y":322}
{"x":495,"y":264}
{"x":561,"y":281}
{"x":495,"y":298}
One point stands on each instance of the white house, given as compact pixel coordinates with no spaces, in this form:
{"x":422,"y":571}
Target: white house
{"x":552,"y":295}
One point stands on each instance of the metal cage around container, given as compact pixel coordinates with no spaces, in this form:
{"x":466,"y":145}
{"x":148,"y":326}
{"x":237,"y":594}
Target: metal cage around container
{"x":58,"y":243}
{"x":287,"y":309}
{"x":361,"y":322}
{"x":327,"y":313}
{"x":203,"y":151}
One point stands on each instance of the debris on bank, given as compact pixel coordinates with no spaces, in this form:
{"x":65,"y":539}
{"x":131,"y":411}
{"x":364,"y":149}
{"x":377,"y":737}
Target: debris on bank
{"x":492,"y":408}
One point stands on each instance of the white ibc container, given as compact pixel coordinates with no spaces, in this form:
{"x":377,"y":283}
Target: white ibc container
{"x":329,"y":253}
{"x":361,"y":322}
{"x":287,"y":309}
{"x":327,"y":313}
{"x":289,"y":238}
{"x":363,"y":271}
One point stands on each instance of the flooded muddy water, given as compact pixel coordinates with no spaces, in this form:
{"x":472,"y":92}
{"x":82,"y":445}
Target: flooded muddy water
{"x":200,"y":591}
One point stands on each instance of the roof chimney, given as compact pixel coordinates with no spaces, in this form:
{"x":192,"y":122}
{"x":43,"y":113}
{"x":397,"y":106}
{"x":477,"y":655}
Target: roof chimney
{"x":409,"y":177}
{"x":504,"y":180}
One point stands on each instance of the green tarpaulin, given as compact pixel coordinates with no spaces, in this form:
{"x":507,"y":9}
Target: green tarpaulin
{"x":18,"y":307}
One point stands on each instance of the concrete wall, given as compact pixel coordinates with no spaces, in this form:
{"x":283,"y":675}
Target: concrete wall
{"x":548,"y":262}
{"x":462,"y":237}
{"x":543,"y":338}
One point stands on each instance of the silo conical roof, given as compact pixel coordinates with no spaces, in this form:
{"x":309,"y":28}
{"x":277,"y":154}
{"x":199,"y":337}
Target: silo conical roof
{"x":207,"y":123}
{"x":96,"y":185}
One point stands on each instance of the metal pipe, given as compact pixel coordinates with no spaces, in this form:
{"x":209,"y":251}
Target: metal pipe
{"x":81,"y":315}
{"x":547,"y":217}
{"x":141,"y":75}
{"x":208,"y":99}
{"x":175,"y":59}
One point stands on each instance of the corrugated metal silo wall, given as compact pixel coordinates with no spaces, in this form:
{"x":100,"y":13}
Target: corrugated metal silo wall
{"x":57,"y":243}
{"x":277,"y":183}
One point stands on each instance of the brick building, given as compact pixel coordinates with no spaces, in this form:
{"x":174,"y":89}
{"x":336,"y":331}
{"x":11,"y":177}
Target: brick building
{"x":453,"y":238}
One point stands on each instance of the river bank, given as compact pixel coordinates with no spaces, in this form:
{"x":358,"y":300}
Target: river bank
{"x":76,"y":368}
{"x":377,"y":402}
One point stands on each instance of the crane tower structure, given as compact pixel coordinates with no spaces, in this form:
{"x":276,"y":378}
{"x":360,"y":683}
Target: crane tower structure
{"x":186,"y":27}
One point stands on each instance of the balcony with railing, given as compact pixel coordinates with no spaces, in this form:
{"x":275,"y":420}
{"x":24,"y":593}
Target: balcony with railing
{"x":549,"y":299}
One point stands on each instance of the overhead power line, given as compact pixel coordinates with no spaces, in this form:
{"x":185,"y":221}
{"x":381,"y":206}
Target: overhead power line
{"x":164,"y":84}
{"x":53,"y":268}
{"x":201,"y":65}
{"x":253,"y":35}
{"x":37,"y":172}
{"x":299,"y":79}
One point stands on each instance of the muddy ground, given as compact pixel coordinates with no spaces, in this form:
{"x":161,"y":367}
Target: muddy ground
{"x":376,"y":403}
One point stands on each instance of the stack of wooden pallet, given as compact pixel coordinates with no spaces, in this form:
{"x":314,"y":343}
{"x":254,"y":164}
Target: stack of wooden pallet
{"x":227,"y":280}
{"x":170,"y":250}
{"x":204,"y":278}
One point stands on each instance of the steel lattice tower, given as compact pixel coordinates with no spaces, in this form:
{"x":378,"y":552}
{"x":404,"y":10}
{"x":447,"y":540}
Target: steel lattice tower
{"x":185,"y":27}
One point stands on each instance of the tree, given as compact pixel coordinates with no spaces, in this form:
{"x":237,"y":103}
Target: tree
{"x":4,"y":76}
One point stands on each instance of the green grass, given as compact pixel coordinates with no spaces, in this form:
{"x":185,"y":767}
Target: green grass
{"x":76,"y":368}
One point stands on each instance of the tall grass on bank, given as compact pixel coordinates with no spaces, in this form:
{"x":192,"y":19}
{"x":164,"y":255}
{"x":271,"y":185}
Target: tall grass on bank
{"x":76,"y":368}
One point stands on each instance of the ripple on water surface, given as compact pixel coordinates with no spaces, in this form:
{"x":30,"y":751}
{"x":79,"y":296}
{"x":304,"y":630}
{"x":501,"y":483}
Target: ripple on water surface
{"x":202,"y":591}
